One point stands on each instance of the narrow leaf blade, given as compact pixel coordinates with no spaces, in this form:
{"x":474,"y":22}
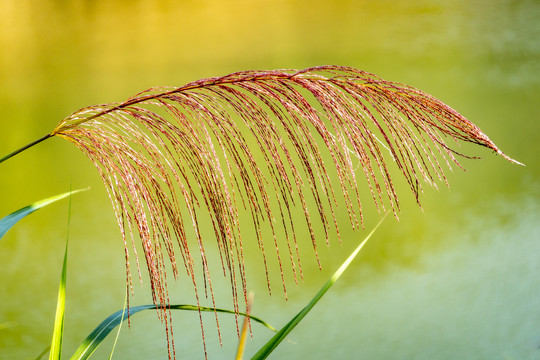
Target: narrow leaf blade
{"x":10,"y":220}
{"x":282,"y":334}
{"x":58,"y":332}
{"x":98,"y":335}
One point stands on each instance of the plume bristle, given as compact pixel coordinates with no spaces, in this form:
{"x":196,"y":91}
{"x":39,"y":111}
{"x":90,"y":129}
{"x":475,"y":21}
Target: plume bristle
{"x":255,"y":140}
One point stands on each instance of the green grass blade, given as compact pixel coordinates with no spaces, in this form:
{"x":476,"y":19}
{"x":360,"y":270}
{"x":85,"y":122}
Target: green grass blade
{"x":7,"y":222}
{"x":281,"y":334}
{"x":58,"y":332}
{"x":92,"y":341}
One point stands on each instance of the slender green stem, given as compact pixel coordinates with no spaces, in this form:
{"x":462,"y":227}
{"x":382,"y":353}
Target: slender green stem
{"x":25,"y":147}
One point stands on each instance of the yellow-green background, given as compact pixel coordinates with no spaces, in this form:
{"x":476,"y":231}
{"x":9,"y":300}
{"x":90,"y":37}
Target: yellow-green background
{"x":456,"y":280}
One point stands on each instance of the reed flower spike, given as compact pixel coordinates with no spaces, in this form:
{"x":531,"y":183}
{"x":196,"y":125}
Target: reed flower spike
{"x":266,"y":143}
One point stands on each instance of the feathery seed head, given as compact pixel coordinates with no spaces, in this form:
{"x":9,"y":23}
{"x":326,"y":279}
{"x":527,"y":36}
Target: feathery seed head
{"x":255,"y":140}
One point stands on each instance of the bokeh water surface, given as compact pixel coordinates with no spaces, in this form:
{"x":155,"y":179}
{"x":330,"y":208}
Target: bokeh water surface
{"x":455,"y":280}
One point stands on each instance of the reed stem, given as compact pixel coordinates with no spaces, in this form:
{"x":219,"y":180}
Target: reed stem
{"x":25,"y":147}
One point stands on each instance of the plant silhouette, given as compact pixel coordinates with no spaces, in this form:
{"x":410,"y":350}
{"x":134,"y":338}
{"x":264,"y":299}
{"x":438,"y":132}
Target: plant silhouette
{"x":267,"y":143}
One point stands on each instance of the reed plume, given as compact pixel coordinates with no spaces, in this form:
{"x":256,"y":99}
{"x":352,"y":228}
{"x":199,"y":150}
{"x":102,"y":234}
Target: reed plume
{"x":254,"y":142}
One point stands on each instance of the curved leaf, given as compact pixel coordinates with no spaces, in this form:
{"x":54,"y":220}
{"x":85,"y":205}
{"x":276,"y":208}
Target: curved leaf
{"x":89,"y":345}
{"x":10,"y":220}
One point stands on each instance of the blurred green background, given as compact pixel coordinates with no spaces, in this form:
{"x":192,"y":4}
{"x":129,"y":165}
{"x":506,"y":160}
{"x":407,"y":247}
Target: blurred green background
{"x":457,"y":279}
